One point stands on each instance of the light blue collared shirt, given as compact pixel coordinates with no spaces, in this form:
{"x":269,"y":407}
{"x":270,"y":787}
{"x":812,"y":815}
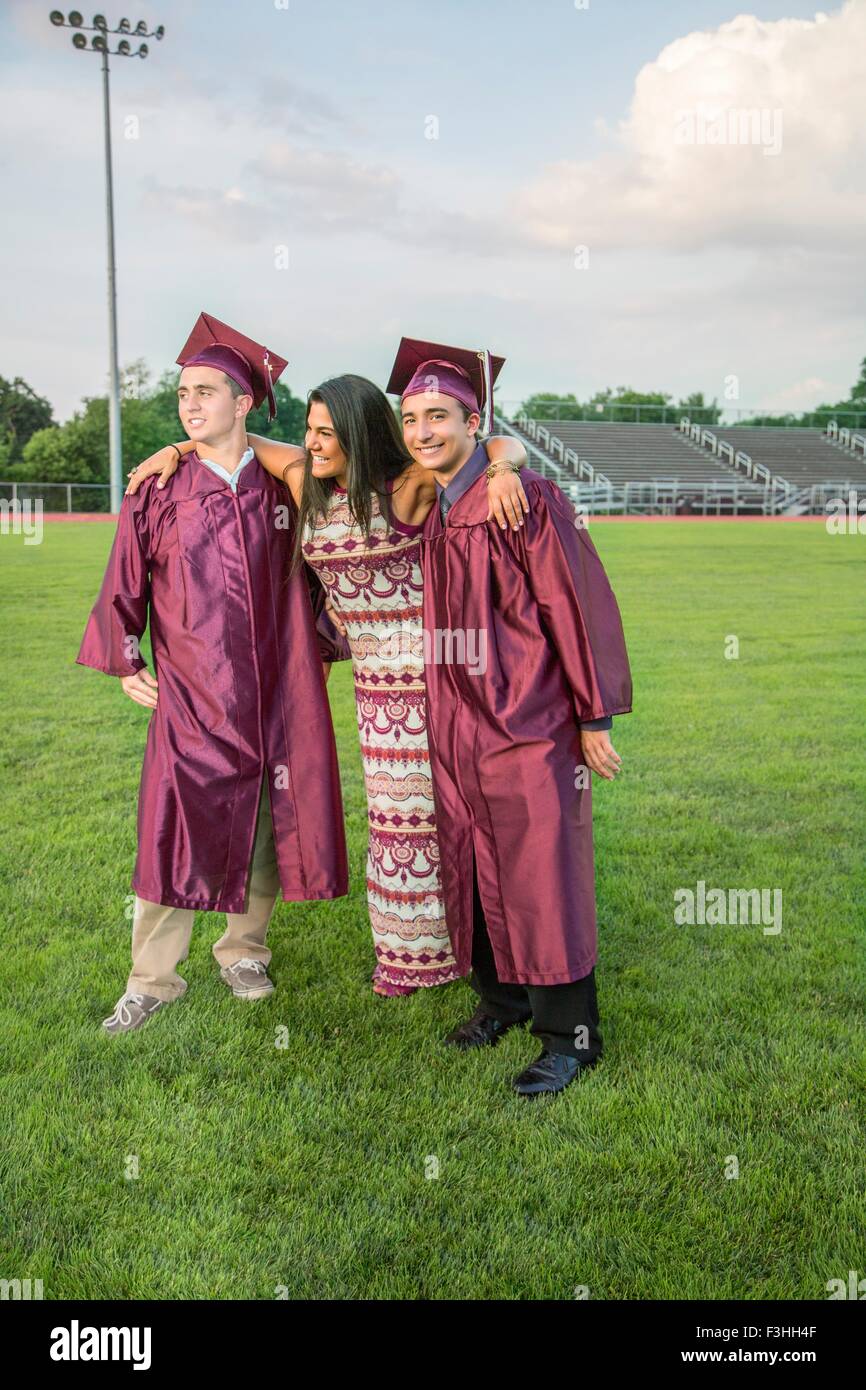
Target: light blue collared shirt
{"x":230,"y":478}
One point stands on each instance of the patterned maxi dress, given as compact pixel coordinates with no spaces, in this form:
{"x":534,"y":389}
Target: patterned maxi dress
{"x":375,"y":586}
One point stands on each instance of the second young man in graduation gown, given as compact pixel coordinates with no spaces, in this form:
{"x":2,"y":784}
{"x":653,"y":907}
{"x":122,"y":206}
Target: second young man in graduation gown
{"x":525,"y":664}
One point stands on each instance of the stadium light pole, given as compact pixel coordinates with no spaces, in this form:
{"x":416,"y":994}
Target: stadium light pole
{"x":100,"y":44}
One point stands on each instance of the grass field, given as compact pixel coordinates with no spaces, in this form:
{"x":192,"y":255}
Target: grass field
{"x":307,"y":1167}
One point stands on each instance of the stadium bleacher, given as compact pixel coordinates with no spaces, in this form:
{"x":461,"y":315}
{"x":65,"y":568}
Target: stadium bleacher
{"x":738,"y":470}
{"x":802,"y":457}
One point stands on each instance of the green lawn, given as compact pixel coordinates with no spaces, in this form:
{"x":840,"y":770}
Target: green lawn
{"x":306,"y":1166}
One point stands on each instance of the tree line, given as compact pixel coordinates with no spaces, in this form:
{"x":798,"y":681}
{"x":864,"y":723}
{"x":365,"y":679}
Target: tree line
{"x":34,"y":448}
{"x":626,"y":406}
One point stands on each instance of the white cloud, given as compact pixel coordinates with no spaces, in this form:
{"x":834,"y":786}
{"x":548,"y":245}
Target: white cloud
{"x":705,"y":260}
{"x":803,"y":181}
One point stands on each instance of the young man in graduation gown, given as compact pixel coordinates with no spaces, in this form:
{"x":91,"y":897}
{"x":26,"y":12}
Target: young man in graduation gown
{"x":525,"y":664}
{"x":240,"y":793}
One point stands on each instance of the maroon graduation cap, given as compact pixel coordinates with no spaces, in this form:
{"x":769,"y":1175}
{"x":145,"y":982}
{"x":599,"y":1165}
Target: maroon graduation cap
{"x":466,"y":374}
{"x":253,"y":367}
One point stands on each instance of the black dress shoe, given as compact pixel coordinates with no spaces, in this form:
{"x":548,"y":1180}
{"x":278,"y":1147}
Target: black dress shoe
{"x":549,"y":1073}
{"x":480,"y":1031}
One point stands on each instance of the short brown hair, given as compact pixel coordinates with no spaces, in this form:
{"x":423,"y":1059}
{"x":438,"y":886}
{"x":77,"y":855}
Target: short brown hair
{"x":235,"y":386}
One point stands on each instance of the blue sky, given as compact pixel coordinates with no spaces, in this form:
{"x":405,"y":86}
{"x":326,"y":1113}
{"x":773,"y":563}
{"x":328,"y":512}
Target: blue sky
{"x":257,"y":134}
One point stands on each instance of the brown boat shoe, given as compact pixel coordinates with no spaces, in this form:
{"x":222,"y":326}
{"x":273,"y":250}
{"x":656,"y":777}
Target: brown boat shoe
{"x":248,"y":979}
{"x":131,"y":1011}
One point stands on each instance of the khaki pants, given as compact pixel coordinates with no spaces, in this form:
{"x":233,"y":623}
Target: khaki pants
{"x":161,"y":935}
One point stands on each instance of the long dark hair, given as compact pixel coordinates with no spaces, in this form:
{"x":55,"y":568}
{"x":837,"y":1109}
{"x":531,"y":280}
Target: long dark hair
{"x":369,"y":435}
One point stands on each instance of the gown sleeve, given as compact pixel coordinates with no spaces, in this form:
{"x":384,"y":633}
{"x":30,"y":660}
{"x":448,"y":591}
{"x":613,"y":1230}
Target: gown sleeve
{"x":112,"y":638}
{"x":578,"y":606}
{"x":332,"y":646}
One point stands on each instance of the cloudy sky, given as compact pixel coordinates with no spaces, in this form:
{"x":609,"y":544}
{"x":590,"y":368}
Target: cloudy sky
{"x":578,"y":186}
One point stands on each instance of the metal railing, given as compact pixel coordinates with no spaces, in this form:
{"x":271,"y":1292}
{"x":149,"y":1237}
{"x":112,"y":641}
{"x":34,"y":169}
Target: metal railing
{"x":670,"y":495}
{"x":722,"y":448}
{"x":60,"y":497}
{"x":538,"y":459}
{"x":845,"y":438}
{"x":580,"y":467}
{"x":682,"y":497}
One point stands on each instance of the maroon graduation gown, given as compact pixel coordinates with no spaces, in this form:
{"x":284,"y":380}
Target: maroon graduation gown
{"x":241,"y":689}
{"x":504,"y":742}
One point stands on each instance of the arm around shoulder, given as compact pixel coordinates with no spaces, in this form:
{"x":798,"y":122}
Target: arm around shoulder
{"x":283,"y":461}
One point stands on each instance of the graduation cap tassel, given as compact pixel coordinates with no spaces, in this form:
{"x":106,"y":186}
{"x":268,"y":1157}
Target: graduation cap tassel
{"x":487,"y":377}
{"x":272,"y":400}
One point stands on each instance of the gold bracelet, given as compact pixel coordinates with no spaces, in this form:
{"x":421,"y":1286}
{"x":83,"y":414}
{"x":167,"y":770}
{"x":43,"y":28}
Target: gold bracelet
{"x":502,"y":466}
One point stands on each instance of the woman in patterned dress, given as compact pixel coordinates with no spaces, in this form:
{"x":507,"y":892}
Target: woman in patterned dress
{"x":362,"y":503}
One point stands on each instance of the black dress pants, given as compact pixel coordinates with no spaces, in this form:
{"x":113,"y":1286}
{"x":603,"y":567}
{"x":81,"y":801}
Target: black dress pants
{"x":557,"y":1011}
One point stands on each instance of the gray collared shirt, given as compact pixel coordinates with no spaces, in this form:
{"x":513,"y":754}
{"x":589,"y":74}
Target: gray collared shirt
{"x":230,"y":478}
{"x":462,"y":480}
